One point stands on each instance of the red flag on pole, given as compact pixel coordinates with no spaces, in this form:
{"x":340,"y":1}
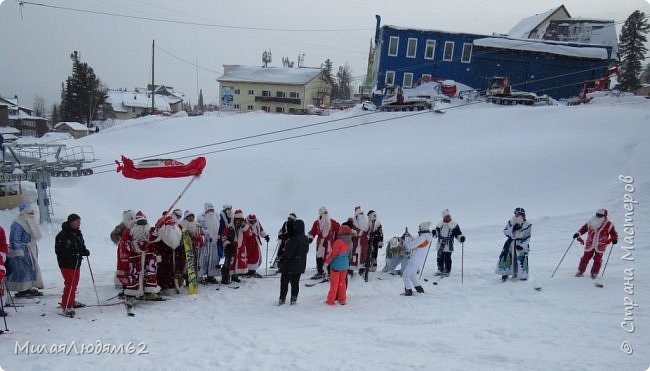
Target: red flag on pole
{"x":160,"y":168}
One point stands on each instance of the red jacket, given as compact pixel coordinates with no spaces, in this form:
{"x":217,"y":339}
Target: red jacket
{"x":598,"y":238}
{"x":324,"y":243}
{"x":3,"y":257}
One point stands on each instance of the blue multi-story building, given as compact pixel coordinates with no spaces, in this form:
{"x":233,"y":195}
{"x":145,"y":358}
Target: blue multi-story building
{"x":557,"y":68}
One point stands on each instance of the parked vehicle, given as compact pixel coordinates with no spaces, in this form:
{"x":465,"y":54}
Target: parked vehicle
{"x":499,"y":91}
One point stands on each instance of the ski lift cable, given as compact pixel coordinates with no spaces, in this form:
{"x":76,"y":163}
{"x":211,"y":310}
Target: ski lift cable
{"x":354,"y":125}
{"x":243,"y":138}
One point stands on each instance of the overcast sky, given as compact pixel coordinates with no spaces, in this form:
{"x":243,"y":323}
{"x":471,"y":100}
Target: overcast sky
{"x":37,"y":41}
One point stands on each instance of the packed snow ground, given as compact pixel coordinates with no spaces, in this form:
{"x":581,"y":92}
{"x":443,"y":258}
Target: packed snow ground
{"x":480,"y":161}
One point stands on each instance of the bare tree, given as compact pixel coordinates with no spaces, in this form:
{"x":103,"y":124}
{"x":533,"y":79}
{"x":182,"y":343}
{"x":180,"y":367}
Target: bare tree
{"x":39,"y":106}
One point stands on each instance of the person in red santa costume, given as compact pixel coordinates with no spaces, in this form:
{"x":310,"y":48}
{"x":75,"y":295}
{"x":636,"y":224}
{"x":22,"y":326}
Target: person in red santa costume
{"x":237,"y":239}
{"x":600,"y":232}
{"x":325,"y":228}
{"x":254,"y":255}
{"x":360,"y":243}
{"x":136,"y":260}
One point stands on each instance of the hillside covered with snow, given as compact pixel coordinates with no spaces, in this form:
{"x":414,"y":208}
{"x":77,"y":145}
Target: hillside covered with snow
{"x":481,"y":161}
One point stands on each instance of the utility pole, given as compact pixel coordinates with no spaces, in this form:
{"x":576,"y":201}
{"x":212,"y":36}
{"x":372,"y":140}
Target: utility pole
{"x":153,"y":105}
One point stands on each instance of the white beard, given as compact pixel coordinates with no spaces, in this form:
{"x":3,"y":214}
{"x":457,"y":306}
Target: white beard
{"x":324,"y":224}
{"x":193,"y":227}
{"x":212,"y":224}
{"x":140,"y":232}
{"x":596,"y":222}
{"x":518,"y":219}
{"x":171,"y":235}
{"x":361,"y":222}
{"x":30,"y":225}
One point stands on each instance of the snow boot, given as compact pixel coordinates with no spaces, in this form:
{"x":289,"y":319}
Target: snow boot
{"x":68,"y":312}
{"x":408,"y":292}
{"x":419,"y":289}
{"x":235,"y":278}
{"x":151,"y":296}
{"x":294,"y":299}
{"x":281,"y":301}
{"x":504,"y":277}
{"x":579,"y":274}
{"x":594,"y":276}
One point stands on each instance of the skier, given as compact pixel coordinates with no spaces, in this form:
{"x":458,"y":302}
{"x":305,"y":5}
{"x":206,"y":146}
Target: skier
{"x":325,"y":228}
{"x":225,"y":221}
{"x":237,"y":240}
{"x":600,"y":232}
{"x":447,"y":230}
{"x":196,"y":233}
{"x":254,"y":254}
{"x":375,"y":238}
{"x":170,"y":253}
{"x":128,"y":219}
{"x":23,"y":271}
{"x":294,"y":261}
{"x":339,"y":260}
{"x":136,"y":264}
{"x":283,"y":235}
{"x":395,"y":256}
{"x":416,"y":249}
{"x":70,"y":249}
{"x":360,"y":244}
{"x":518,"y":230}
{"x":210,"y":257}
{"x":4,"y":248}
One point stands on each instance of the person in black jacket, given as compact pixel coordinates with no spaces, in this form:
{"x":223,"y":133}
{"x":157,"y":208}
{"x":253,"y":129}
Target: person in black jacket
{"x":70,"y":250}
{"x":294,"y":261}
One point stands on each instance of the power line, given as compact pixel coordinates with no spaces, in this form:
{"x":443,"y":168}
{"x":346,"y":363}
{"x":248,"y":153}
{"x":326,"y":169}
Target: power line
{"x":200,"y":24}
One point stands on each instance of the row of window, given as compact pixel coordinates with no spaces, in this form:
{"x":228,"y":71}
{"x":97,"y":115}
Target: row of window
{"x":429,"y":49}
{"x":267,"y":93}
{"x":407,"y":78}
{"x":265,"y":108}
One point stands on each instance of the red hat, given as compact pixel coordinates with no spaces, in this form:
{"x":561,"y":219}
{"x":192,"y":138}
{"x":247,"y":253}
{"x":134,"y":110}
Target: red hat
{"x":238,"y":214}
{"x":602,"y":212}
{"x":345,"y":230}
{"x":251,"y":218}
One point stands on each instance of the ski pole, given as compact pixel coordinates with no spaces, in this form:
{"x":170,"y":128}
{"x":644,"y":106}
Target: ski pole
{"x":273,"y":257}
{"x":4,"y":318}
{"x":266,"y":269}
{"x":425,"y":259}
{"x":607,"y":261}
{"x":11,"y":299}
{"x":567,"y":250}
{"x":462,"y":261}
{"x":92,"y":277}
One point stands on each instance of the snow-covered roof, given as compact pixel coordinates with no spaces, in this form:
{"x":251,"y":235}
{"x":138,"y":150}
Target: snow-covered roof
{"x":271,"y":75}
{"x":76,"y":126}
{"x":543,"y":47}
{"x":121,"y":101}
{"x":584,"y":30}
{"x":8,"y":130}
{"x":528,"y":24}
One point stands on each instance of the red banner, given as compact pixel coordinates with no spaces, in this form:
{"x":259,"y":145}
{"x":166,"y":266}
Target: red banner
{"x":160,"y":168}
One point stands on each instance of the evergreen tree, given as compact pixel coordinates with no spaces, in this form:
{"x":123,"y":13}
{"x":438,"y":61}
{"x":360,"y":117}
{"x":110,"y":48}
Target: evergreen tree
{"x":328,"y":75}
{"x":83,"y":93}
{"x":200,"y":105}
{"x":344,"y":82}
{"x":632,"y":50}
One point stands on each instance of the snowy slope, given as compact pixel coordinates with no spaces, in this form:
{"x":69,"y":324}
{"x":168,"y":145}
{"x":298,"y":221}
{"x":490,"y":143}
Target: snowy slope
{"x":481,"y":161}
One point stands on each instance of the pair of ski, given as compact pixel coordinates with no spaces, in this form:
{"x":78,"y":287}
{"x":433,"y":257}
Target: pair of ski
{"x":317,"y":283}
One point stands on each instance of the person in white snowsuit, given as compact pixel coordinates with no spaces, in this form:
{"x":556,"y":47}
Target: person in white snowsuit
{"x":417,"y":248}
{"x":209,"y":258}
{"x":518,"y":230}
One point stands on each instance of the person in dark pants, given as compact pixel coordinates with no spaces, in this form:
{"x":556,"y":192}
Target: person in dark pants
{"x":70,"y":250}
{"x":293,"y":262}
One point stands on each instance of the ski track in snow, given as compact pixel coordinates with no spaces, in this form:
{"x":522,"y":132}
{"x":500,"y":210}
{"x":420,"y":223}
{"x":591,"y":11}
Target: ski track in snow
{"x":560,"y":163}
